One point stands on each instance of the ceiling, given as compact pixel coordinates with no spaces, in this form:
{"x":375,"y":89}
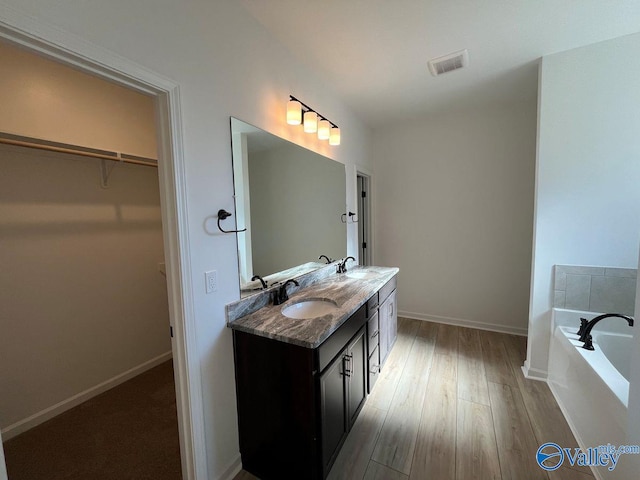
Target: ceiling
{"x":374,"y":53}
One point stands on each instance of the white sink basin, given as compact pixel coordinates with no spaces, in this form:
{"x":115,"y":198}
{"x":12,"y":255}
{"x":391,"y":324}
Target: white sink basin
{"x":309,"y":309}
{"x":363,"y":275}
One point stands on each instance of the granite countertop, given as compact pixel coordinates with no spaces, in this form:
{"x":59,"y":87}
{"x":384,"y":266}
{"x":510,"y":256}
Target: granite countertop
{"x":347,"y":292}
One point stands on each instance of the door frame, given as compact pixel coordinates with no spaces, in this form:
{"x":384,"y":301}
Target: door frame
{"x":68,"y":49}
{"x":366,"y":172}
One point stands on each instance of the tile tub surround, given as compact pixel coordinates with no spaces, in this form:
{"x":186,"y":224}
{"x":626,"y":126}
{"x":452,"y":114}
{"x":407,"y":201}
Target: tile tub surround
{"x":595,"y":289}
{"x":348,"y":293}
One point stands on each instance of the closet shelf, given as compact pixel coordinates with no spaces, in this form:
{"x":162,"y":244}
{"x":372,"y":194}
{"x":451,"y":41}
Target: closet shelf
{"x":30,"y":142}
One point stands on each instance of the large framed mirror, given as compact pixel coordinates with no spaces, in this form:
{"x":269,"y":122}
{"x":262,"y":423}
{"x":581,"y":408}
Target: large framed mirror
{"x":292,"y":202}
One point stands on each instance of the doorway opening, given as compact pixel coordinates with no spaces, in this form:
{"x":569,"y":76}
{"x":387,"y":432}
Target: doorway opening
{"x":363,"y":183}
{"x":70,"y":51}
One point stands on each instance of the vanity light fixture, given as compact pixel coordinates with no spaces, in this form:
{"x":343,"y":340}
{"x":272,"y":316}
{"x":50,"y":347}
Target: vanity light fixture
{"x":334,"y":136}
{"x":323,"y":129}
{"x":294,"y":112}
{"x":312,"y":121}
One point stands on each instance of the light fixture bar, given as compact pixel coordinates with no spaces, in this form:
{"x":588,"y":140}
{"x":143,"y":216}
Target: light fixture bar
{"x":307,"y":108}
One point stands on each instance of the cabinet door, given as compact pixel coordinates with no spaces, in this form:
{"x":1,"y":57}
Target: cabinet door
{"x":333,"y":412}
{"x":356,"y":372}
{"x":388,"y":317}
{"x":384,"y":319}
{"x":393,"y":319}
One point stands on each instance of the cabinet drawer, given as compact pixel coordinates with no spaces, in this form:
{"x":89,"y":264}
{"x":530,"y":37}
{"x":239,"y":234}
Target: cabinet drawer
{"x":338,"y":339}
{"x":372,"y":305}
{"x":373,"y":332}
{"x":389,"y":287}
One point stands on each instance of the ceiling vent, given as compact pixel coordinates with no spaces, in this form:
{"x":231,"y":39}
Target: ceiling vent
{"x":449,"y":63}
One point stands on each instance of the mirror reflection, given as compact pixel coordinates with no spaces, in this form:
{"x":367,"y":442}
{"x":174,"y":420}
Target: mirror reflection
{"x":291,"y":200}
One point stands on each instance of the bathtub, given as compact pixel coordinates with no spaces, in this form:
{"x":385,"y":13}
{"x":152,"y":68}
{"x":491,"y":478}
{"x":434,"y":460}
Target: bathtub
{"x":592,"y":387}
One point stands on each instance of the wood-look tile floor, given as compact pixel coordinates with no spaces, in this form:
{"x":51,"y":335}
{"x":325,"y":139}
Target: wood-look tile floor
{"x":452,"y":403}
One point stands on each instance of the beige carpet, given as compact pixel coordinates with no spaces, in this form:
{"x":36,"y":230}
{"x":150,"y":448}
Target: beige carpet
{"x":129,"y":432}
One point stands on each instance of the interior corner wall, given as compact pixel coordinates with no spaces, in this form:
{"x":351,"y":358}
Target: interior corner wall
{"x":81,"y":297}
{"x":588,"y":168}
{"x":454,"y":207}
{"x":226,"y":64}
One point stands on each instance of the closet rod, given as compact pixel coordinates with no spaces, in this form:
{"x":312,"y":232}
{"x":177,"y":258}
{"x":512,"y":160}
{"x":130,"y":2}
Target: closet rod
{"x":30,"y":142}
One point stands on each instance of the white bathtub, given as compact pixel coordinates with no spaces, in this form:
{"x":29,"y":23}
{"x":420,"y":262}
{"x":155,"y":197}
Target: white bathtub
{"x":592,"y":387}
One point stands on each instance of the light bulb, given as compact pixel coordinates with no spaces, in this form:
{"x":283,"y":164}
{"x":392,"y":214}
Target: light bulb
{"x":310,"y":122}
{"x":294,"y":112}
{"x":324,"y":128}
{"x":334,"y":136}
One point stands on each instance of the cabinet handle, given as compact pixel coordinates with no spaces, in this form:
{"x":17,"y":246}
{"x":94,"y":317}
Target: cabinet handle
{"x":377,"y":332}
{"x":375,"y":369}
{"x":347,"y":364}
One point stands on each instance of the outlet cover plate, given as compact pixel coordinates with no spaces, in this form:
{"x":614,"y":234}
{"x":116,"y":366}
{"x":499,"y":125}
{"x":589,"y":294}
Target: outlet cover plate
{"x":211,"y":281}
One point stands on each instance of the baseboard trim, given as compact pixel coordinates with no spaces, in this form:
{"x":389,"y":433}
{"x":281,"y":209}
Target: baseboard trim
{"x":465,"y":323}
{"x":233,"y":469}
{"x":534,"y":373}
{"x":61,"y":407}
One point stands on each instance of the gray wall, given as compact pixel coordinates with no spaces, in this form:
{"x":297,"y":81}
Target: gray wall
{"x":454,"y":199}
{"x":81,"y":297}
{"x":297,"y":198}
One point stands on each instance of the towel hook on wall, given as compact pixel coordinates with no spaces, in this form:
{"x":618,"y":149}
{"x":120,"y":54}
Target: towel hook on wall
{"x":343,"y":217}
{"x":223,"y":214}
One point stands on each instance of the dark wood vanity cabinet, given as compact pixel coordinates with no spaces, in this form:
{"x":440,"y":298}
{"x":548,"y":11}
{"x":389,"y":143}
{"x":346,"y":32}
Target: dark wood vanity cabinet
{"x":343,"y":391}
{"x":382,"y":329}
{"x":296,"y":404}
{"x":388,"y":319}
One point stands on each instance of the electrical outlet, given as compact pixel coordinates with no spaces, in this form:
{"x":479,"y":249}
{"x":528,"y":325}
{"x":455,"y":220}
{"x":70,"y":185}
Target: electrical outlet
{"x":211,"y":281}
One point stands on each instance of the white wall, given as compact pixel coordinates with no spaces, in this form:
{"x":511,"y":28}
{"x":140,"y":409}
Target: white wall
{"x":81,"y":297}
{"x":454,"y":199}
{"x":588,"y":168}
{"x":226,"y":64}
{"x":630,"y":464}
{"x":44,"y":99}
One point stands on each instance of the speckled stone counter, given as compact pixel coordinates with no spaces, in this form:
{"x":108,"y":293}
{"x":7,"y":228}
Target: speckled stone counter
{"x":347,"y":292}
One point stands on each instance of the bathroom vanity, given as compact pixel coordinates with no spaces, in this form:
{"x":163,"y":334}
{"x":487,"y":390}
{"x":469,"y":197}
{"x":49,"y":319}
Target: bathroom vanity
{"x":301,"y":383}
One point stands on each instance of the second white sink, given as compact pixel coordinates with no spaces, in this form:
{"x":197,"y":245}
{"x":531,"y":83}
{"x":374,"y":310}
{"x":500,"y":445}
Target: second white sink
{"x":363,"y":275}
{"x":310,"y":309}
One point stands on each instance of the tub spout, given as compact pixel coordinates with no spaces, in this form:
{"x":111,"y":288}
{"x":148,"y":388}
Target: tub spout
{"x":586,"y":332}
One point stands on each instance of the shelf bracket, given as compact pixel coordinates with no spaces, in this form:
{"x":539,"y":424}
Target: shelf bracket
{"x":105,"y":171}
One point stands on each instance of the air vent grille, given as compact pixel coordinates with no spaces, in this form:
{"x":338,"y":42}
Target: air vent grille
{"x":449,"y":63}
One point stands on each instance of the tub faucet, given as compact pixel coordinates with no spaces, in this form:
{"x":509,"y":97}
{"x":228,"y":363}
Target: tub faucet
{"x":280,"y":295}
{"x":342,"y":266}
{"x":258,"y":277}
{"x":586,"y":334}
{"x":583,"y":325}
